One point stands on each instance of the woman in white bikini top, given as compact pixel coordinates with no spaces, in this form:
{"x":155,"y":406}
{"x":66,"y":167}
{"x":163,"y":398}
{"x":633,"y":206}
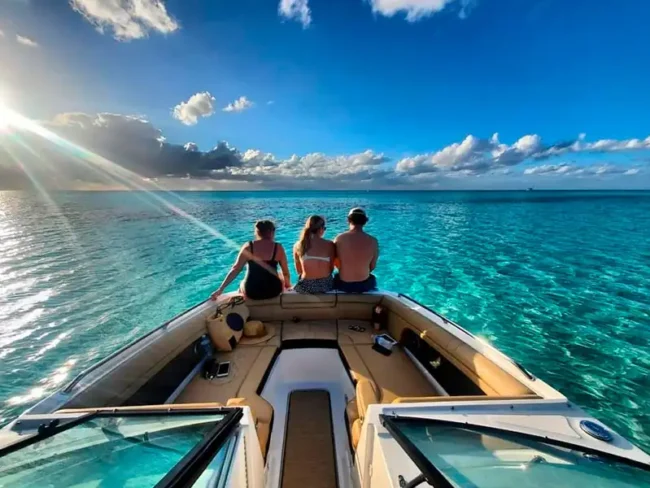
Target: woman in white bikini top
{"x":314,"y":258}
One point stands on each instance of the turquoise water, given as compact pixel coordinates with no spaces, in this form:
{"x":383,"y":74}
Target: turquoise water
{"x":109,"y":453}
{"x":558,"y":280}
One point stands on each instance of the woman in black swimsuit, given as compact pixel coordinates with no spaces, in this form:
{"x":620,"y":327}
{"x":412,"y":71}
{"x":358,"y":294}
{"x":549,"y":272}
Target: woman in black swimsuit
{"x":263,"y":255}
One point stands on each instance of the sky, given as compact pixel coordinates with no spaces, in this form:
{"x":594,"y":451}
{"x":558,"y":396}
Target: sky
{"x":325,"y":94}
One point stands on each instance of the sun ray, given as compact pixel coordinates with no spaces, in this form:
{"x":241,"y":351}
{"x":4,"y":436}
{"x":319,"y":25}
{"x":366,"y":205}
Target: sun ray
{"x":129,"y":178}
{"x":52,"y":207}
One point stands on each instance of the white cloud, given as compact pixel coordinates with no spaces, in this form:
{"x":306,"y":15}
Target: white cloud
{"x":2,"y":34}
{"x":580,"y":171}
{"x":546,"y":169}
{"x":199,"y":105}
{"x":460,"y":156}
{"x":239,"y":105}
{"x":255,"y":157}
{"x":477,"y":156}
{"x":600,"y":146}
{"x":139,"y":146}
{"x":416,"y":9}
{"x":259,"y":166}
{"x":297,"y":10}
{"x":528,"y":144}
{"x":26,"y":41}
{"x":128,"y":19}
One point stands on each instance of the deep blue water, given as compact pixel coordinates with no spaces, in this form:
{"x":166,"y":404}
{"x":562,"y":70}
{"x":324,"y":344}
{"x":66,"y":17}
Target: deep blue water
{"x":560,"y":281}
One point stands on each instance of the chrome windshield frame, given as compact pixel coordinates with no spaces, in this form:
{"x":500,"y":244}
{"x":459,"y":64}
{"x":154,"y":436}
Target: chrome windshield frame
{"x":391,"y":422}
{"x":186,"y":471}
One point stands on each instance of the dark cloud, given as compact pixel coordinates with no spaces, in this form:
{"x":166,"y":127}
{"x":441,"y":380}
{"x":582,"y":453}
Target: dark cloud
{"x":138,"y":147}
{"x":132,"y":142}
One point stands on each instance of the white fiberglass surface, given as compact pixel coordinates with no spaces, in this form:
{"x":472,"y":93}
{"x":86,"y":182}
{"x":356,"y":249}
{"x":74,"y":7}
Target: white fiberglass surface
{"x":309,"y":369}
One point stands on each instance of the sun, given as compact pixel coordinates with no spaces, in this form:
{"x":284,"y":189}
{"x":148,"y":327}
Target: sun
{"x":8,"y":118}
{"x":5,"y":117}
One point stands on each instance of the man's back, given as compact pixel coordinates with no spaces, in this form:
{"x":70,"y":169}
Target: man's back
{"x":357,"y":254}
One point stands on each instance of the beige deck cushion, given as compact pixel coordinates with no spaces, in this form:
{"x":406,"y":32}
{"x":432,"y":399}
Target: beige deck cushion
{"x":483,"y":372}
{"x":261,"y":409}
{"x":295,"y":300}
{"x":247,"y":369}
{"x":262,"y":414}
{"x":347,"y":336}
{"x":352,"y":416}
{"x":309,"y":329}
{"x":358,"y":369}
{"x":366,"y":395}
{"x":313,"y":307}
{"x":395,"y":375}
{"x":380,"y":379}
{"x":487,"y":375}
{"x":256,"y":373}
{"x":355,"y":432}
{"x":221,"y":390}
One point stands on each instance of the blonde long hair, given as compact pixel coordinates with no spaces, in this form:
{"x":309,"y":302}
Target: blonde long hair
{"x":313,"y":225}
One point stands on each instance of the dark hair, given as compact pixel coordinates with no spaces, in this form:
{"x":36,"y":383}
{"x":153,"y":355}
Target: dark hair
{"x":312,"y":226}
{"x":264,"y":228}
{"x":357,"y":217}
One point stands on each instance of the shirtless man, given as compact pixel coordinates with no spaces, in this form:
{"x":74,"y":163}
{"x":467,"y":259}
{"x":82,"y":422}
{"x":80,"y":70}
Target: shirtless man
{"x":356,"y":256}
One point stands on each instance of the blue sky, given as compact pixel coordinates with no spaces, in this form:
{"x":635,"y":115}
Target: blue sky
{"x":403,"y":79}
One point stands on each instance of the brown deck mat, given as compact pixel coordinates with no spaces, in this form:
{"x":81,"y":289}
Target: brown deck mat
{"x":309,"y":458}
{"x":309,"y":329}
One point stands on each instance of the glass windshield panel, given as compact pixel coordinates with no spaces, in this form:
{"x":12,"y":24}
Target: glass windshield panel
{"x":217,"y":471}
{"x":474,"y":460}
{"x":108,"y":452}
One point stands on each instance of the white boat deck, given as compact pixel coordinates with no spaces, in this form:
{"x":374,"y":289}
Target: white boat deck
{"x":309,"y":369}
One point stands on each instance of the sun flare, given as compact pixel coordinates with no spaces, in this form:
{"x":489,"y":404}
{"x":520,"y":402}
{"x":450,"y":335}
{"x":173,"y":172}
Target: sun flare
{"x":9,"y":119}
{"x":5,"y":116}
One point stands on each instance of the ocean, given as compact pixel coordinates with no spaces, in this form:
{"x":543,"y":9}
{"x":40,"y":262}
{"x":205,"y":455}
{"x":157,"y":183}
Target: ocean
{"x":560,"y":281}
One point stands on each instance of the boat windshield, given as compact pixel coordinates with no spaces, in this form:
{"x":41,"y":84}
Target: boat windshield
{"x":465,"y":457}
{"x":123,"y":450}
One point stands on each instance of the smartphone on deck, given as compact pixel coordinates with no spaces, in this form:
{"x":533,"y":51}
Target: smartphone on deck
{"x":223,"y":370}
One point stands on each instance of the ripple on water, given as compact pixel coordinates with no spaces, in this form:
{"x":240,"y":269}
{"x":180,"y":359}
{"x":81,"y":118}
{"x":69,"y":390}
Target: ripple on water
{"x":558,"y":281}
